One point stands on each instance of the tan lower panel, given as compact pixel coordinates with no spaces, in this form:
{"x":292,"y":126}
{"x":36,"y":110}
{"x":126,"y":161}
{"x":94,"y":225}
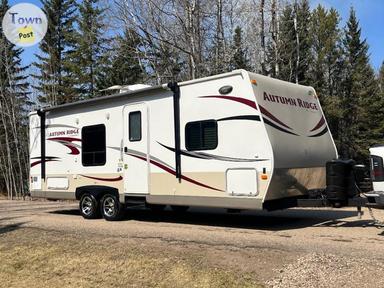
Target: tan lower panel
{"x":312,"y":178}
{"x":76,"y":180}
{"x":167,"y":184}
{"x":296,"y":181}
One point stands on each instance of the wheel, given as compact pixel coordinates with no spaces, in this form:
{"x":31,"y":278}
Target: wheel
{"x":179,"y":209}
{"x":111,"y":208}
{"x":155,"y":207}
{"x":89,"y":206}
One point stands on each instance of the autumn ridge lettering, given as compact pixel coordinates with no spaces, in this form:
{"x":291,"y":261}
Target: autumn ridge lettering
{"x":290,"y":101}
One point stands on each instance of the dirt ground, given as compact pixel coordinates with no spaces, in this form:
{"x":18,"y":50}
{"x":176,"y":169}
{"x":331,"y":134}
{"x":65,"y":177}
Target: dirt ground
{"x":48,"y":244}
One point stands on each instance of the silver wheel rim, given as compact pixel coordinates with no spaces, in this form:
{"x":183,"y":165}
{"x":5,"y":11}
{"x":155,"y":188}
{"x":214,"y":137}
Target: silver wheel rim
{"x":109,"y":206}
{"x":87,"y":205}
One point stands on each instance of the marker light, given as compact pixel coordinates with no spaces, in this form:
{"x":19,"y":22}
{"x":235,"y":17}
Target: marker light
{"x":254,"y":82}
{"x":264,"y":176}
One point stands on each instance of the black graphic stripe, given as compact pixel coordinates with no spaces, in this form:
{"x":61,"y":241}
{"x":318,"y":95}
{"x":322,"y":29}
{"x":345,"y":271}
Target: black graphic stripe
{"x":266,"y":121}
{"x":206,"y":156}
{"x":46,"y":157}
{"x":241,"y":117}
{"x":325,"y":130}
{"x":183,"y":152}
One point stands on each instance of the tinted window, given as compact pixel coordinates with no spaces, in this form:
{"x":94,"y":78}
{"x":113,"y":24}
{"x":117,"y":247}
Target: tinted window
{"x":135,"y":126}
{"x":201,"y":135}
{"x":93,"y":145}
{"x":377,"y":168}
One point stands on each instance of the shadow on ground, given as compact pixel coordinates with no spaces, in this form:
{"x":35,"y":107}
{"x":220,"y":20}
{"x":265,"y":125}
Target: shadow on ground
{"x":10,"y":227}
{"x":261,"y":220}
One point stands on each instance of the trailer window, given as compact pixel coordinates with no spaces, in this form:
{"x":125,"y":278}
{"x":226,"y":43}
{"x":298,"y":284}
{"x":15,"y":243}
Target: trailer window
{"x":135,"y":126}
{"x":201,"y":135}
{"x":93,"y":145}
{"x":377,"y":168}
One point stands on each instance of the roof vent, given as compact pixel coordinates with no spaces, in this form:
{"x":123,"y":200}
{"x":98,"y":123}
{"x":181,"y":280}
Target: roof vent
{"x":126,"y":88}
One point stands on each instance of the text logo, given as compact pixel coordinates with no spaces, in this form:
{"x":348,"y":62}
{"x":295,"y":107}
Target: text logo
{"x":290,"y":101}
{"x":24,"y":24}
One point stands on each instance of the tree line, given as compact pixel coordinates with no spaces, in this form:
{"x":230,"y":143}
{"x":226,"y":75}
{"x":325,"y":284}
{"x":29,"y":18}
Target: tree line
{"x":91,"y":45}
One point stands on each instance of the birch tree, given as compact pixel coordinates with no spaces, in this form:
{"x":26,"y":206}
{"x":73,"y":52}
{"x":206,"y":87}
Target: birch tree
{"x":262,"y":38}
{"x":13,"y":126}
{"x":175,"y":29}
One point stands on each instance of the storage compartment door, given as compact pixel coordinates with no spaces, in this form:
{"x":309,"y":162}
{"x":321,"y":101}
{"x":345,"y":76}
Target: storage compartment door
{"x":242,"y":182}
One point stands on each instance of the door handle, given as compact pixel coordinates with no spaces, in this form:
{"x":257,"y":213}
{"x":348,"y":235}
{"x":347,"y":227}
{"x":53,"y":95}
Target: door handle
{"x":125,"y":149}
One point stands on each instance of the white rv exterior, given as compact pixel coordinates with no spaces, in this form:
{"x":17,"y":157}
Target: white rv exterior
{"x":245,"y":140}
{"x":377,"y":167}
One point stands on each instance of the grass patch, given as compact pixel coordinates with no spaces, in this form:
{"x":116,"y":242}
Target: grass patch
{"x":37,"y":258}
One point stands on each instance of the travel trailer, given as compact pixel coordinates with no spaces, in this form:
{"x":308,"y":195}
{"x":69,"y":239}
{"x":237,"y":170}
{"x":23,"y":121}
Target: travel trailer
{"x":237,"y":140}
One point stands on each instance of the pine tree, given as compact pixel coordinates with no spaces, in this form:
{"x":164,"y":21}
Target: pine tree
{"x":360,"y":103}
{"x":286,"y":45}
{"x":124,"y":67}
{"x":55,"y":82}
{"x":381,"y":78}
{"x":375,"y":112}
{"x":326,"y":69}
{"x":239,"y":58}
{"x":91,"y":45}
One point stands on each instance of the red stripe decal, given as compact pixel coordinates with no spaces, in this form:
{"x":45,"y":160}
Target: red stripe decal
{"x":74,"y":150}
{"x":169,"y":170}
{"x":269,"y":114}
{"x":39,"y":162}
{"x":236,"y":99}
{"x":62,"y":140}
{"x":69,"y":139}
{"x":104,"y":179}
{"x":321,"y":122}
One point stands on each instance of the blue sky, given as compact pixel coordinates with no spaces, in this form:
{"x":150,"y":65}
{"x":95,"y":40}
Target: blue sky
{"x":369,"y":12}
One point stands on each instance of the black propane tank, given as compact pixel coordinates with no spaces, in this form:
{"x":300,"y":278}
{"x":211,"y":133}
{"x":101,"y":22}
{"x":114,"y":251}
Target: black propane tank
{"x":340,"y":181}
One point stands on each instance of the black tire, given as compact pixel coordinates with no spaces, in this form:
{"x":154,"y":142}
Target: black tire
{"x":89,"y":206}
{"x":179,"y":209}
{"x":155,"y":207}
{"x":111,"y":208}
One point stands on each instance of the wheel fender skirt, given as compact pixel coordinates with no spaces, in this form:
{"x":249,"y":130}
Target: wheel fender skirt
{"x":96,"y":190}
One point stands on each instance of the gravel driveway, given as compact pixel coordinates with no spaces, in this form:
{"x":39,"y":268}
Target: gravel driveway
{"x":290,"y":248}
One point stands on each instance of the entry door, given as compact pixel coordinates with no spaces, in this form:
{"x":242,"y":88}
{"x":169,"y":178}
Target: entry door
{"x":136,"y":139}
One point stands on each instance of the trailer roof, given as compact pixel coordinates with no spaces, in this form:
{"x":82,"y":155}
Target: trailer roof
{"x":103,"y":98}
{"x":130,"y":93}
